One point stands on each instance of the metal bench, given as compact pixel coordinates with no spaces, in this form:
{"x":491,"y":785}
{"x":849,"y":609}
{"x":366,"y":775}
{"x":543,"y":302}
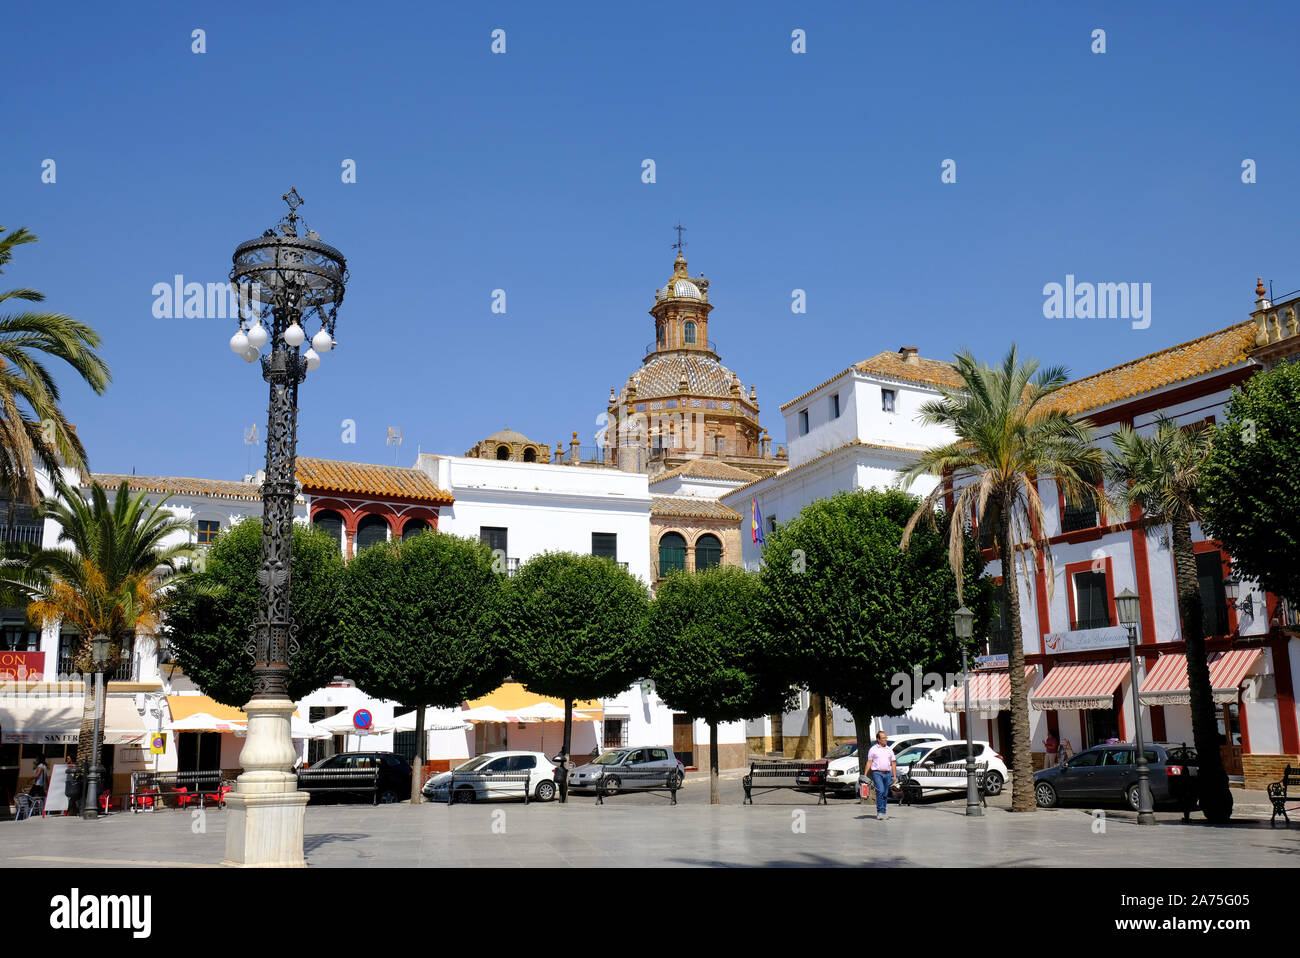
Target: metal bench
{"x":628,"y":780}
{"x":769,"y":772}
{"x":1280,"y":792}
{"x":919,"y":778}
{"x":470,"y":783}
{"x":357,"y":780}
{"x":27,"y":806}
{"x":149,"y":789}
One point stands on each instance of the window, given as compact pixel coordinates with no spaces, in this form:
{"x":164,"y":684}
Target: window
{"x":1080,"y":515}
{"x":208,"y":529}
{"x":615,"y":732}
{"x":690,"y":333}
{"x":708,"y":552}
{"x":835,"y":406}
{"x":771,"y":523}
{"x":404,"y":745}
{"x":414,"y":527}
{"x":658,"y":755}
{"x":988,"y":527}
{"x":803,"y":422}
{"x":503,"y":452}
{"x":522,"y":763}
{"x":1120,"y":756}
{"x":494,"y":537}
{"x":330,"y":522}
{"x":672,"y":553}
{"x":887,"y":400}
{"x":499,"y":765}
{"x":1086,"y":759}
{"x":371,"y":531}
{"x":605,"y":545}
{"x":1091,"y":606}
{"x":1214,"y":607}
{"x":17,"y":635}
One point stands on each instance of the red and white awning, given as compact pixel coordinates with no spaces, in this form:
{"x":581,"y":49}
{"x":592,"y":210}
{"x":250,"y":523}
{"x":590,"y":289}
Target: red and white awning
{"x":1166,"y":683}
{"x":1090,"y":685}
{"x":989,"y":692}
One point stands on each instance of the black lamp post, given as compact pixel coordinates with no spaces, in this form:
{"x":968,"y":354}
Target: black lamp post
{"x":1129,"y":607}
{"x":963,"y":624}
{"x":99,"y":648}
{"x":296,"y":278}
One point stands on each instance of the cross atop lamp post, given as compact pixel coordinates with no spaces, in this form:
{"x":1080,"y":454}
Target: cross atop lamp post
{"x":963,"y":624}
{"x":1129,"y":607}
{"x":296,"y":278}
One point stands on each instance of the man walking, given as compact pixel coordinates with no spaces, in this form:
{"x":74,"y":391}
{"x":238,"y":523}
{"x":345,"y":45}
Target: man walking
{"x":884,"y":770}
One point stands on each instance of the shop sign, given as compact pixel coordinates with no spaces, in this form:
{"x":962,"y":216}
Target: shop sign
{"x":1082,"y":640}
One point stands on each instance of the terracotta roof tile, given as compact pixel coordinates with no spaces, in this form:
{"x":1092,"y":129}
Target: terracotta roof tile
{"x":687,"y":507}
{"x":829,"y":452}
{"x":706,"y":469}
{"x":1227,"y":347}
{"x":930,"y":372}
{"x":217,"y":488}
{"x":359,"y":478}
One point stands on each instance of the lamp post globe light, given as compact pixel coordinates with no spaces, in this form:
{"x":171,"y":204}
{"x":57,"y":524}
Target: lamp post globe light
{"x":963,"y":624}
{"x":296,"y":279}
{"x":1129,"y":607}
{"x":99,"y":648}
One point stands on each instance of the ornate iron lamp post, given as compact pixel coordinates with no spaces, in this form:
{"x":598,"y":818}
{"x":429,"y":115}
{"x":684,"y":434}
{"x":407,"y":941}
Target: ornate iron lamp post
{"x":295,"y":278}
{"x":1129,"y":607}
{"x":963,"y":623}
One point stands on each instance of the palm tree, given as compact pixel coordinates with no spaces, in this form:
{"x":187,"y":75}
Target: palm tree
{"x":33,"y":429}
{"x":1007,"y":436}
{"x":112,"y":581}
{"x":1161,"y":474}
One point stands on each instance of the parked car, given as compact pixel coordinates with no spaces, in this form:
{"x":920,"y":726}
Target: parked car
{"x":394,"y":775}
{"x":899,"y":742}
{"x":1108,"y":774}
{"x":541,"y":779}
{"x":585,"y":777}
{"x":947,"y":751}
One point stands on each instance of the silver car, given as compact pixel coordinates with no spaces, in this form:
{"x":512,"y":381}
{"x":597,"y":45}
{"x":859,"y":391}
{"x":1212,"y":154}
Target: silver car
{"x":612,"y":761}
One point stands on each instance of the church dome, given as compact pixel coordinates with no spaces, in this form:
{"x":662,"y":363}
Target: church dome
{"x":681,"y":289}
{"x":507,"y":435}
{"x":661,"y":377}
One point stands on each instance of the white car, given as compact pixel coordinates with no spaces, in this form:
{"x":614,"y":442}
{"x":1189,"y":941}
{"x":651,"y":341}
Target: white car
{"x":899,"y":742}
{"x":842,"y":761}
{"x":541,"y":778}
{"x":950,"y":751}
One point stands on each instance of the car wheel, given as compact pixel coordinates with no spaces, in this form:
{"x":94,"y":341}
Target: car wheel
{"x":676,"y":780}
{"x":1045,"y":794}
{"x":388,"y":797}
{"x":545,"y":791}
{"x":463,"y":795}
{"x":993,"y":783}
{"x":610,"y":785}
{"x":1134,"y":797}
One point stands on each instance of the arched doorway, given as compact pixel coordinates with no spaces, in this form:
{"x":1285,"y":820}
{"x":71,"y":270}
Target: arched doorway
{"x":371,"y":530}
{"x":672,"y":552}
{"x":329,"y":521}
{"x":708,"y":552}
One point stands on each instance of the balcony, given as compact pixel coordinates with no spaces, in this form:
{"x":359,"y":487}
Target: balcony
{"x":999,"y":642}
{"x":1076,"y":518}
{"x":653,"y":348}
{"x":123,"y":673}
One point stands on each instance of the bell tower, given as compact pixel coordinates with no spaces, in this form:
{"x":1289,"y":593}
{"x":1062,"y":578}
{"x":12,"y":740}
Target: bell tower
{"x":681,"y":313}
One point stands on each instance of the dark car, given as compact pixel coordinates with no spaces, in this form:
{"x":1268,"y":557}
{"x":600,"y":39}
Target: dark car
{"x":394,"y":777}
{"x":1108,"y":774}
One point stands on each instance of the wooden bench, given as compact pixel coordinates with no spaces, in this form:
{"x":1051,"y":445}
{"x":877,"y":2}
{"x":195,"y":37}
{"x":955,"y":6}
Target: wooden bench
{"x":627,"y":780}
{"x":1280,"y":792}
{"x":920,"y":778}
{"x":342,"y":780}
{"x":770,"y":772}
{"x":470,"y":784}
{"x":150,"y":789}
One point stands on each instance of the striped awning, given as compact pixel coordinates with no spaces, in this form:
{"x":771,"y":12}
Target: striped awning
{"x":1090,"y":685}
{"x":989,"y":692}
{"x":1166,"y":683}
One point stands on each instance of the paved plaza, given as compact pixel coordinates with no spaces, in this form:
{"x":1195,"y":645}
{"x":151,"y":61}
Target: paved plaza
{"x":782,"y":829}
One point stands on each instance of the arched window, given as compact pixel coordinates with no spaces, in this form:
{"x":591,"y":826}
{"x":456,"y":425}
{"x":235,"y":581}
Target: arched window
{"x":372,"y":530}
{"x":530,"y":454}
{"x":330,"y":522}
{"x":708,"y":552}
{"x":662,"y":336}
{"x":690,"y":332}
{"x":672,"y":552}
{"x":503,"y":452}
{"x":414,"y":527}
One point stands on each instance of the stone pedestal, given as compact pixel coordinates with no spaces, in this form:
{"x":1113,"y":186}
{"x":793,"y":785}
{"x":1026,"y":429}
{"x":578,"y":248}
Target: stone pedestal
{"x":265,"y":812}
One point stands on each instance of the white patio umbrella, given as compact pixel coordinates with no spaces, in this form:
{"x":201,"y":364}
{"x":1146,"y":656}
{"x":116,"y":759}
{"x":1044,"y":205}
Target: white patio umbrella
{"x":487,"y":713}
{"x":549,"y":712}
{"x":435,"y":720}
{"x":298,"y":729}
{"x":205,"y":722}
{"x":343,"y":724}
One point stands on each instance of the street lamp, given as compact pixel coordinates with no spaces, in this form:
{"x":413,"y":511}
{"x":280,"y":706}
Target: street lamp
{"x":296,"y":278}
{"x":99,"y":648}
{"x":963,"y":624}
{"x":1129,"y":606}
{"x":1232,"y":592}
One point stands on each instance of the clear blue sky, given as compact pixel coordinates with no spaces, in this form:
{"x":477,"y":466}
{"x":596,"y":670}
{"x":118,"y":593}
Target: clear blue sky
{"x":522,"y":171}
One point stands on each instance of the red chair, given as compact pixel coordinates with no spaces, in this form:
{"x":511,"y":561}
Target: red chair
{"x":105,"y":800}
{"x":183,"y":797}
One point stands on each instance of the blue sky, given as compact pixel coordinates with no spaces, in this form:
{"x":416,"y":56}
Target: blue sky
{"x":522,"y":171}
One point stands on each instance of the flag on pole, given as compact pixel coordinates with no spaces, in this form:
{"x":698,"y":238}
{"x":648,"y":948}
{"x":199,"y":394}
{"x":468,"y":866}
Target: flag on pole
{"x":756,"y":524}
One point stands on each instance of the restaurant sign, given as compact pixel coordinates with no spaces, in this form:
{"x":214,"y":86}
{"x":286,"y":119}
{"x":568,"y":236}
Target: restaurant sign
{"x":22,"y":666}
{"x":1081,"y":640}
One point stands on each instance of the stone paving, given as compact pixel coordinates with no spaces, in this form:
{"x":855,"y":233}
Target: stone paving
{"x":782,"y":829}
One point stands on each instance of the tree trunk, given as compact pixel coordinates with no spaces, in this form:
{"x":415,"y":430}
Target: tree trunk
{"x":862,"y":722}
{"x":714,"y":798}
{"x":85,"y":738}
{"x":564,"y":750}
{"x":1216,"y":796}
{"x":417,"y":766}
{"x":1022,"y":763}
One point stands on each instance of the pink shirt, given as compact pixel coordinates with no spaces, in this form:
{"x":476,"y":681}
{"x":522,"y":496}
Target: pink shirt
{"x":880,"y":758}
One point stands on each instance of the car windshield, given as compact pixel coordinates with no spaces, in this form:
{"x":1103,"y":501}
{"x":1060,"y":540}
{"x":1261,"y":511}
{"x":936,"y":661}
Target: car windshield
{"x":913,"y":754}
{"x":843,"y":751}
{"x":610,"y":758}
{"x":474,"y":763}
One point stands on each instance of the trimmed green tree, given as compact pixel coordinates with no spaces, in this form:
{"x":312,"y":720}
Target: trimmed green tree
{"x":853,"y":618}
{"x":1251,"y":482}
{"x":210,"y":622}
{"x":574,"y":626}
{"x":707,"y":658}
{"x":415,"y":627}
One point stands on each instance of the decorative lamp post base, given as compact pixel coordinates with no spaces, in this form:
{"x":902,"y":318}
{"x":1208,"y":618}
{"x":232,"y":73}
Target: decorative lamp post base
{"x":265,"y":813}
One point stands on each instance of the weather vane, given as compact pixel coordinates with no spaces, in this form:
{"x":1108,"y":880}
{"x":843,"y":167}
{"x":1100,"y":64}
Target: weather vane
{"x":680,"y":245}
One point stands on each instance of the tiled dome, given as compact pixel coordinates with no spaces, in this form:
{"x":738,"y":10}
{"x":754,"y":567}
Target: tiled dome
{"x":661,"y":376}
{"x":681,"y":289}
